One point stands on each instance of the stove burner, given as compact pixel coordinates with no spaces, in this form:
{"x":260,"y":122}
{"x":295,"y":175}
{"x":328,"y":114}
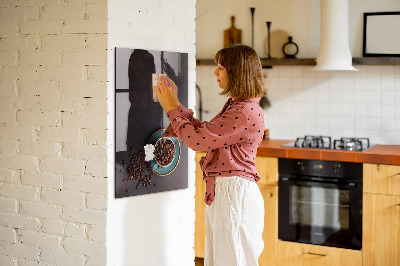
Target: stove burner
{"x":308,"y":141}
{"x":324,"y":142}
{"x":351,"y":144}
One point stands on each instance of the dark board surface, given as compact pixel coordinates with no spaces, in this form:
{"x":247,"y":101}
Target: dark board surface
{"x":138,"y":117}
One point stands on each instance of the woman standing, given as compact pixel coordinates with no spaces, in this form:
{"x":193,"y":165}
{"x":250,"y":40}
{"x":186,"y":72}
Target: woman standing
{"x":235,"y":207}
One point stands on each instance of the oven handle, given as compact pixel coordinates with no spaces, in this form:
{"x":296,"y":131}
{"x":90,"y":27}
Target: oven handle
{"x":298,"y":181}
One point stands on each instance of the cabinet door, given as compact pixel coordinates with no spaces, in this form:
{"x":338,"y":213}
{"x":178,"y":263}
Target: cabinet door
{"x":297,"y":254}
{"x":381,"y":179}
{"x":200,"y":207}
{"x":381,"y":230}
{"x":267,"y":168}
{"x":270,"y":233}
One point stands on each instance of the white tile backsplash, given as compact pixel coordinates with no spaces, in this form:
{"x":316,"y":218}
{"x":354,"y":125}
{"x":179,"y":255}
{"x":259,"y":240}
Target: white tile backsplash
{"x":361,"y":110}
{"x":374,"y":123}
{"x":374,"y":110}
{"x":361,"y":124}
{"x":364,"y":103}
{"x":348,"y":96}
{"x":374,"y":97}
{"x":388,"y":97}
{"x":387,"y":124}
{"x":388,"y":83}
{"x":374,"y":83}
{"x":387,"y":110}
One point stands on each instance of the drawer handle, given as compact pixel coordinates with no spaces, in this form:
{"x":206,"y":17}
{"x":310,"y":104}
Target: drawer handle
{"x":318,"y":254}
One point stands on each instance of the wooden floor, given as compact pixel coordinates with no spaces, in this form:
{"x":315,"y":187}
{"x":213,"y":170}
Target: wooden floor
{"x":199,"y":262}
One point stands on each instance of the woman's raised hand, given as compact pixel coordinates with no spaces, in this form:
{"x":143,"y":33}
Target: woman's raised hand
{"x":164,"y":94}
{"x":174,"y":90}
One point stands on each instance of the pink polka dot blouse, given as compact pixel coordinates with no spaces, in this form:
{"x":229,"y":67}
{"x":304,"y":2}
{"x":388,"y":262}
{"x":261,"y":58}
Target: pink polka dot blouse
{"x":231,"y":139}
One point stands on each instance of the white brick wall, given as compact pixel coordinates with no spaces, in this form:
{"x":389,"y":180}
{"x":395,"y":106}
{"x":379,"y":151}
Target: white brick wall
{"x":53,"y":129}
{"x":53,"y":107}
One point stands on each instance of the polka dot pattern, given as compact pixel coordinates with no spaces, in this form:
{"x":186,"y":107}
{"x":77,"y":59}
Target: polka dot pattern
{"x":231,"y":139}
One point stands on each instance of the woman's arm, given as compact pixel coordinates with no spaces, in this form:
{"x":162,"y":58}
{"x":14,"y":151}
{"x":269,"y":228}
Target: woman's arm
{"x":223,"y":131}
{"x":187,"y":113}
{"x":227,"y":129}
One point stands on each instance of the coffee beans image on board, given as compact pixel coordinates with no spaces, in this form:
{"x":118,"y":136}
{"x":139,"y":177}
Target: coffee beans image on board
{"x":164,"y":151}
{"x":139,"y":170}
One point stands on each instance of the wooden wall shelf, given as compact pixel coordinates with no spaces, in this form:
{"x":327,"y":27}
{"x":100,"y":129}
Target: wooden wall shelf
{"x":376,"y":61}
{"x":312,"y":61}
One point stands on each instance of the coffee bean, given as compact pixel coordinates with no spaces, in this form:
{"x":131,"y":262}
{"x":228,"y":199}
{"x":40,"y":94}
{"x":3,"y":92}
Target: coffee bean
{"x":164,"y":151}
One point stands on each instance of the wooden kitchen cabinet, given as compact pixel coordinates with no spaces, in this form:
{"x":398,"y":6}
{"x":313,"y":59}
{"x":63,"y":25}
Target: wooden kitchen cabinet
{"x":381,"y":230}
{"x":270,"y":233}
{"x":381,"y":215}
{"x":267,"y":168}
{"x":381,"y":179}
{"x":298,"y":254}
{"x":200,"y":207}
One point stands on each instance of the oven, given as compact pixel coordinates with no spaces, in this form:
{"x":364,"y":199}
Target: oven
{"x":320,"y":202}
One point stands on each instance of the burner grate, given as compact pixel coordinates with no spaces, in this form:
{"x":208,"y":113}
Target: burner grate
{"x":351,"y":144}
{"x":321,"y":142}
{"x":324,"y":142}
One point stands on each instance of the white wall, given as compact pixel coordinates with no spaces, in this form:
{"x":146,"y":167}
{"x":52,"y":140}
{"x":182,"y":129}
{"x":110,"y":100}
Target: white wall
{"x":53,"y":107}
{"x":338,"y":104}
{"x":155,"y":229}
{"x":298,"y":18}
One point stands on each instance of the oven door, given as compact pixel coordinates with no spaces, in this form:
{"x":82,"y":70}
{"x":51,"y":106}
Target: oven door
{"x":320,"y":212}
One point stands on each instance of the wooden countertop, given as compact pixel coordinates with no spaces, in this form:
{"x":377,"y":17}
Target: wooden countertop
{"x":379,"y":154}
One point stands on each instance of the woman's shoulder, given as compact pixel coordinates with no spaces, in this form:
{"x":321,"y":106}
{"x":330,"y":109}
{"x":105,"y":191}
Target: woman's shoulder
{"x":248,"y":104}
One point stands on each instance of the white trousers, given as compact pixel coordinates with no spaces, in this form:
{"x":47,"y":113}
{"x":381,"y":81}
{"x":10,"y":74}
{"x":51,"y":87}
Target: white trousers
{"x":234,"y":223}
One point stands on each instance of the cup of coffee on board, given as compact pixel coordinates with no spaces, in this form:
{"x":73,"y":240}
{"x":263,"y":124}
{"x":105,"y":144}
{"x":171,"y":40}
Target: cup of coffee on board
{"x":156,"y":79}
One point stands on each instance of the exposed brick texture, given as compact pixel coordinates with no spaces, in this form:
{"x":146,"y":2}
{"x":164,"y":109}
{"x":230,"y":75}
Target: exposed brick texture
{"x":56,"y":60}
{"x":53,"y":55}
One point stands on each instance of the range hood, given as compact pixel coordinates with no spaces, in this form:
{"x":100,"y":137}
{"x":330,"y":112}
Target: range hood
{"x":334,"y":51}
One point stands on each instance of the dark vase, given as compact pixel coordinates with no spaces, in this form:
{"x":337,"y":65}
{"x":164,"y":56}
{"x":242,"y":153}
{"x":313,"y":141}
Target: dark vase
{"x":290,"y":49}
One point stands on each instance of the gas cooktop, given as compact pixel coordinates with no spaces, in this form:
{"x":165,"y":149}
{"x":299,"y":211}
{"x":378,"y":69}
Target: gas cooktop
{"x":325,"y":142}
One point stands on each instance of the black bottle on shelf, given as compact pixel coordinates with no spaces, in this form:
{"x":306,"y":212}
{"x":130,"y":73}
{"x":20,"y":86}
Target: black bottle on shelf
{"x":290,"y":49}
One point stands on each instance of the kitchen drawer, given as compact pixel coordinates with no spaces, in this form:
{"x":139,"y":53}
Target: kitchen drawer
{"x":298,"y":254}
{"x":381,"y":179}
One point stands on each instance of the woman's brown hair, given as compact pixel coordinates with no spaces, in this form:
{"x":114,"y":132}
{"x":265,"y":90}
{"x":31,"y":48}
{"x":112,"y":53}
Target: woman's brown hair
{"x":245,"y":78}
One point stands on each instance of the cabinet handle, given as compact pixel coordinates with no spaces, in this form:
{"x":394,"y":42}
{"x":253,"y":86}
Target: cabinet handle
{"x":398,"y":204}
{"x":318,"y":254}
